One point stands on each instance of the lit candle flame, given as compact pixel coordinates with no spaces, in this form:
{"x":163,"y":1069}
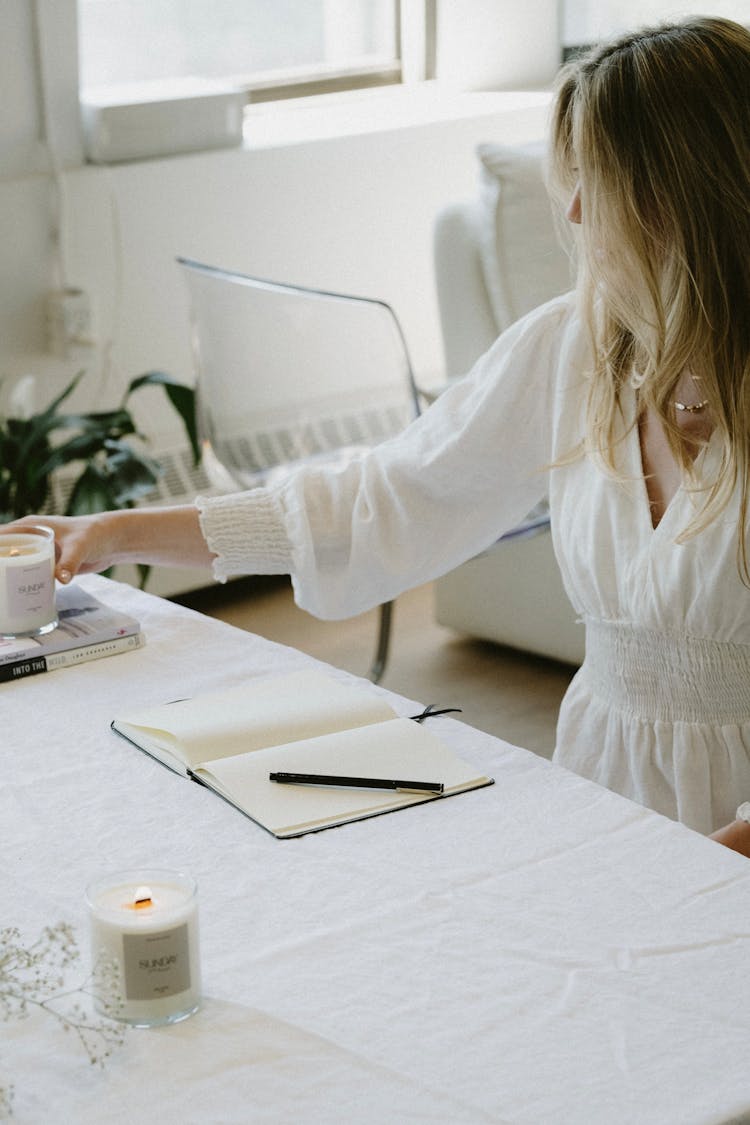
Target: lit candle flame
{"x":142,"y":898}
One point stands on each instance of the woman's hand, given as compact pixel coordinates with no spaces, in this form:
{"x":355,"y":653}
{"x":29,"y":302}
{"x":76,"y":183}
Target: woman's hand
{"x":735,"y":836}
{"x":152,"y":536}
{"x":83,"y":544}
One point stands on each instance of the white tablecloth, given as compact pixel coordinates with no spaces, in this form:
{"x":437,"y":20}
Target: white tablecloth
{"x":538,"y":951}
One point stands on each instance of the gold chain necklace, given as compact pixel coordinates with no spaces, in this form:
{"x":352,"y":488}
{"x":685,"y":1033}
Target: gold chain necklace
{"x":694,"y":409}
{"x":697,"y":407}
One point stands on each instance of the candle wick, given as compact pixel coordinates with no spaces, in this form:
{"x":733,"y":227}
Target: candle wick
{"x":142,"y":898}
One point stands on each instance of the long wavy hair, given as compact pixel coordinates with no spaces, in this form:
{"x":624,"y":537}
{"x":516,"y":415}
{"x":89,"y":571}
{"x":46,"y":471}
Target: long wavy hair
{"x":654,"y":127}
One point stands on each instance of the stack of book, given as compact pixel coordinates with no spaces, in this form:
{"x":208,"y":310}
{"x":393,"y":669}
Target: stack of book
{"x":87,"y":630}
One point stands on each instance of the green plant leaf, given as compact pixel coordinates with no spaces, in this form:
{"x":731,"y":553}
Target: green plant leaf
{"x":27,"y":444}
{"x":86,"y":444}
{"x":38,"y":426}
{"x":91,"y":493}
{"x":52,"y":408}
{"x":114,"y":473}
{"x":131,"y":475}
{"x":103,"y":422}
{"x":182,"y":398}
{"x":24,"y":485}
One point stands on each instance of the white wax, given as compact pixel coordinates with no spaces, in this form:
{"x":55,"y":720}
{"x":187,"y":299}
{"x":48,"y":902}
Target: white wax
{"x":152,"y":950}
{"x":27,"y":582}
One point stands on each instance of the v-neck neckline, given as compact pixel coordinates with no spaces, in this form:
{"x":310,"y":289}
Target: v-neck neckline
{"x":644,"y":500}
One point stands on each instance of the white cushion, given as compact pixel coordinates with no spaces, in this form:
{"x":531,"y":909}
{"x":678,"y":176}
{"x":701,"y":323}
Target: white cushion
{"x":523,"y":262}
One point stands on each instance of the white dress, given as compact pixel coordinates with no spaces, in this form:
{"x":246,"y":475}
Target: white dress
{"x":660,"y":710}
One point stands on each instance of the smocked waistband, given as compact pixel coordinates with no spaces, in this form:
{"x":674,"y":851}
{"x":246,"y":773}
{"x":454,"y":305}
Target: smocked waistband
{"x":671,"y":677}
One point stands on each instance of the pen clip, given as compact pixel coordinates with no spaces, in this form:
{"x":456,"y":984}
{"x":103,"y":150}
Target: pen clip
{"x":432,"y":791}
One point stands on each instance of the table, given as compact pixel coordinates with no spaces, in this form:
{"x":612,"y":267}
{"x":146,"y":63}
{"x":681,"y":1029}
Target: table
{"x":538,"y":951}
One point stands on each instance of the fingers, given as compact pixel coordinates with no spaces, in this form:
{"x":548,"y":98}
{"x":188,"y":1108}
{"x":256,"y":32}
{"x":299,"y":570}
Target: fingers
{"x":83,"y":544}
{"x":74,"y":543}
{"x":74,"y":551}
{"x":65,"y":567}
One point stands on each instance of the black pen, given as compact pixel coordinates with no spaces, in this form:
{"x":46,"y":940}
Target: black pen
{"x":357,"y":782}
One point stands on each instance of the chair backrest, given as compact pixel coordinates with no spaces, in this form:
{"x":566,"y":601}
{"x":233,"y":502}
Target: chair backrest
{"x":523,"y":260}
{"x":288,"y":374}
{"x":498,"y":255}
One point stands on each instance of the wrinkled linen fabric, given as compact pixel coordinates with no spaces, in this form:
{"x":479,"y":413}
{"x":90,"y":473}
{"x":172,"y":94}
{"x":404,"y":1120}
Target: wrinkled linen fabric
{"x":672,"y":615}
{"x":540,"y":951}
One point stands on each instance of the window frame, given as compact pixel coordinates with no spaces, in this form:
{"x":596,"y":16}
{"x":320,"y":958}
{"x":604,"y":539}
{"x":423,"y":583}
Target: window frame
{"x":414,"y":24}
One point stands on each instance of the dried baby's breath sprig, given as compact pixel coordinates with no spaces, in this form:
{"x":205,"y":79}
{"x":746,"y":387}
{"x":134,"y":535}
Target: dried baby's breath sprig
{"x":6,"y":1102}
{"x":33,"y":976}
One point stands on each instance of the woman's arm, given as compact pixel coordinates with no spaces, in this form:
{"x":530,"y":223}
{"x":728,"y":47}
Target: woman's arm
{"x":358,"y":534}
{"x":152,"y":536}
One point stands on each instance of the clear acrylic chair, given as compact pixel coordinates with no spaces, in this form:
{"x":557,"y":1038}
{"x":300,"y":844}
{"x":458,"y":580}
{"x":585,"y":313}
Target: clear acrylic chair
{"x":287,"y":375}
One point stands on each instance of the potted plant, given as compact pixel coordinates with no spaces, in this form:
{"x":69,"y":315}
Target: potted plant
{"x":115,"y":471}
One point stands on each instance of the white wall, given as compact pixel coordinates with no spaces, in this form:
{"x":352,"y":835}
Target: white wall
{"x":28,"y":206}
{"x":351,"y":212}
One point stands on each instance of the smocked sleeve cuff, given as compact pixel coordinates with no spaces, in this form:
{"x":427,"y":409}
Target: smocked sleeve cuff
{"x":246,"y":533}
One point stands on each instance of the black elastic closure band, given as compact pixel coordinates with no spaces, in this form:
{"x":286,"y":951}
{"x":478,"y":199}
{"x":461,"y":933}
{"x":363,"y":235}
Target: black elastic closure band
{"x":430,"y":712}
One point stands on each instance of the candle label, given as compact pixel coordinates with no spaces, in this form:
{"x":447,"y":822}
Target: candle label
{"x":28,"y":588}
{"x":156,"y":964}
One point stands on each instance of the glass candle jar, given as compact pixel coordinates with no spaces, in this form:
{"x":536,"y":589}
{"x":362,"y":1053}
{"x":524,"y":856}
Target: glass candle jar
{"x":27,"y":581}
{"x":144,"y":946}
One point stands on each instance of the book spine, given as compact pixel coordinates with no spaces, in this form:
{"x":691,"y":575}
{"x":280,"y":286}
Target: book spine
{"x":32,"y":666}
{"x":80,"y":639}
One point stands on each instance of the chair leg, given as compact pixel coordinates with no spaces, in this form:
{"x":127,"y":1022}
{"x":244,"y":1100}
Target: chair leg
{"x":384,"y":636}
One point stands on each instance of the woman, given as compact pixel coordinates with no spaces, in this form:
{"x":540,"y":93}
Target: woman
{"x":627,"y":403}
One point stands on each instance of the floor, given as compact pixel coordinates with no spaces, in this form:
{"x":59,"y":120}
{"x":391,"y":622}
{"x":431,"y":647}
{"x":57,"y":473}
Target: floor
{"x":507,"y":693}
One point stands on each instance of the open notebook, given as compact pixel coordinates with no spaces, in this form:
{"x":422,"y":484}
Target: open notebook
{"x":307,"y":722}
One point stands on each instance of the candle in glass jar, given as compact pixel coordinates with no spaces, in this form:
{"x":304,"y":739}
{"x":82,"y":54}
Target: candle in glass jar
{"x":144,"y":946}
{"x":27,"y":581}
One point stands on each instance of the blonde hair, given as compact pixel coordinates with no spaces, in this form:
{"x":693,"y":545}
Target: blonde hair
{"x":655,"y":128}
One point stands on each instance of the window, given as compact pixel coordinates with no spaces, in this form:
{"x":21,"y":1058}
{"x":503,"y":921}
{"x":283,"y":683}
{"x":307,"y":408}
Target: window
{"x":275,"y":48}
{"x":289,"y":48}
{"x":585,"y":22}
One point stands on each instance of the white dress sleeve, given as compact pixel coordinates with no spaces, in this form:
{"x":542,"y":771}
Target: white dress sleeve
{"x":414,"y":507}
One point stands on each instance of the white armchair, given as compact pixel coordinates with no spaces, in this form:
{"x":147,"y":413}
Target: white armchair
{"x":497,"y":257}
